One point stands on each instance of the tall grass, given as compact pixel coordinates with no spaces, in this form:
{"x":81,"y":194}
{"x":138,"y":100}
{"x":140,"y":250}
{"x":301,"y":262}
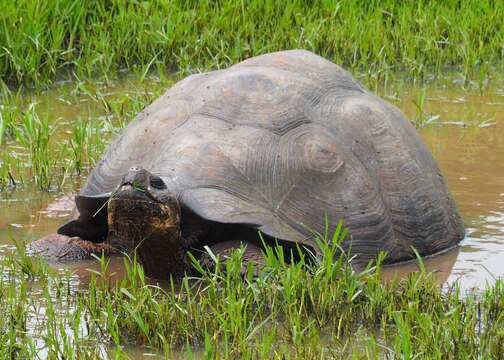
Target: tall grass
{"x":308,"y":310}
{"x":40,"y":146}
{"x":34,"y":133}
{"x":40,"y":39}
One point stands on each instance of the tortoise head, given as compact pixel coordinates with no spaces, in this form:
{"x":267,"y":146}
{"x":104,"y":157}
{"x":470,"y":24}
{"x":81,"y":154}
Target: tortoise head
{"x":141,"y":205}
{"x":144,"y":216}
{"x":141,"y":216}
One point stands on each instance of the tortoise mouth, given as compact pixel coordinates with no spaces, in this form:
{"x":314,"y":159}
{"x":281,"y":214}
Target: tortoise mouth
{"x":144,"y":215}
{"x":129,"y":191}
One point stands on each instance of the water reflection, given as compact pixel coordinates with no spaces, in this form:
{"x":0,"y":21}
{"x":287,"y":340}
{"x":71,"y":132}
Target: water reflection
{"x":441,"y":265}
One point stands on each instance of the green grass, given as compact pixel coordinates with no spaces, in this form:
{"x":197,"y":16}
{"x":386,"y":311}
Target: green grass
{"x":33,"y":134}
{"x":422,"y":118}
{"x":40,"y":147}
{"x":40,"y":40}
{"x":302,"y":311}
{"x":307,"y":310}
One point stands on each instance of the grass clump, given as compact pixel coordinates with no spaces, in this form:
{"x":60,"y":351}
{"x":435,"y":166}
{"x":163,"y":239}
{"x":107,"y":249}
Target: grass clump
{"x":49,"y":137}
{"x":305,"y":310}
{"x":33,"y":134}
{"x":39,"y":40}
{"x":314,"y":309}
{"x":39,"y":317}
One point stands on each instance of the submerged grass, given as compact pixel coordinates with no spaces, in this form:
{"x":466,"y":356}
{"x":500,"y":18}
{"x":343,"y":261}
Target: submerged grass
{"x":307,"y":310}
{"x":38,"y":39}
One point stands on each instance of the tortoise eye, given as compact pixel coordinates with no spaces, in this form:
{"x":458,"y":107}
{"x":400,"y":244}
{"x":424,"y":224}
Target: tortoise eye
{"x":157,"y":183}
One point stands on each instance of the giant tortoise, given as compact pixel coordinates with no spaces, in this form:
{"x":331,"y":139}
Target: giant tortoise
{"x":278,"y":144}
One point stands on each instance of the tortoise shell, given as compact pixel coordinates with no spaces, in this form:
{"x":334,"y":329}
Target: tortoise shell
{"x":287,"y":142}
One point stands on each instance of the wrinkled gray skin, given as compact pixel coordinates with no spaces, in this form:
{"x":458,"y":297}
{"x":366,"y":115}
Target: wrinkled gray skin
{"x":279,"y":143}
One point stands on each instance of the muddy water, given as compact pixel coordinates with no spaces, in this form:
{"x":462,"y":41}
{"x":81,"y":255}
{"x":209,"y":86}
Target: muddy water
{"x":465,"y":132}
{"x":467,"y":141}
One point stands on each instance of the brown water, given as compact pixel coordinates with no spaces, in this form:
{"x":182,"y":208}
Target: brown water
{"x":465,"y":134}
{"x":467,"y":141}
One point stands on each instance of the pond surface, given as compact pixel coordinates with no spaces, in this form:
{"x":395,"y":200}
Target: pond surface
{"x":464,"y":130}
{"x":467,"y":141}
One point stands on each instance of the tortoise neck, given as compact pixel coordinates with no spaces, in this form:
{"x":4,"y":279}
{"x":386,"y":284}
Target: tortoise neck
{"x":162,"y":255}
{"x":153,"y":231}
{"x":160,"y":252}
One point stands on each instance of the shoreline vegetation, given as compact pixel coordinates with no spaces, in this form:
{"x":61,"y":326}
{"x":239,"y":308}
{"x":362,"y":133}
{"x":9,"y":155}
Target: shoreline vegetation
{"x":308,"y":310}
{"x":44,"y":143}
{"x":40,"y":40}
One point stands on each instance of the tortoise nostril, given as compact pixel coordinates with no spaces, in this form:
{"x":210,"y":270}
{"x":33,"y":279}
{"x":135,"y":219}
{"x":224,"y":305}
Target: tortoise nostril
{"x":157,"y":183}
{"x":136,"y":175}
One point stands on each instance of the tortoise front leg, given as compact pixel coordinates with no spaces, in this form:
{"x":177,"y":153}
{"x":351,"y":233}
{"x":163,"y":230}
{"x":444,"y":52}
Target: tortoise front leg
{"x":57,"y":247}
{"x":82,"y":236}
